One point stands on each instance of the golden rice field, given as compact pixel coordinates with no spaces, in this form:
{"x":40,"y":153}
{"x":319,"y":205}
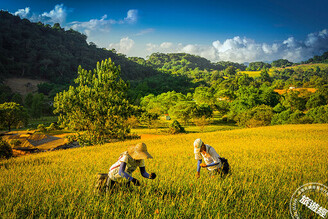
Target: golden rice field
{"x":251,"y":73}
{"x":268,"y":165}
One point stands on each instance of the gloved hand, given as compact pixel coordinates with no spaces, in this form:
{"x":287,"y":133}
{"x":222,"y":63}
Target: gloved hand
{"x":152,"y":176}
{"x":135,"y":182}
{"x":203,"y":165}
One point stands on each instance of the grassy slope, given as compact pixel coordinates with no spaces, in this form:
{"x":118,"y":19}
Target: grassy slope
{"x":268,"y":165}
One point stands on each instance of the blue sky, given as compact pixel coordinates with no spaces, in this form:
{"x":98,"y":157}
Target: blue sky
{"x":235,"y":30}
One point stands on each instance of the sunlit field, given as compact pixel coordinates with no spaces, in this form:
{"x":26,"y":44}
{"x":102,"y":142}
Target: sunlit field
{"x":251,"y":73}
{"x":267,"y":165}
{"x":255,"y":73}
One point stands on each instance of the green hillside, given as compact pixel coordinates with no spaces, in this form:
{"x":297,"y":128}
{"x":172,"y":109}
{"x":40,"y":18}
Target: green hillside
{"x":318,"y":59}
{"x":40,"y":51}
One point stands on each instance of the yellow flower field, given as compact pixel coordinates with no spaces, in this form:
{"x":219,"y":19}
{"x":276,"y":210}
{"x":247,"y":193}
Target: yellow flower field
{"x":267,"y":165}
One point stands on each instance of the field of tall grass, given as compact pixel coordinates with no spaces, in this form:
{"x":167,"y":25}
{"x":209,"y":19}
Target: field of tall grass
{"x":267,"y":165}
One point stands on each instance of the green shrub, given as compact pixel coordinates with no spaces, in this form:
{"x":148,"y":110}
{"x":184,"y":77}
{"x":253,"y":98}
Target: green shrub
{"x":71,"y":138}
{"x":279,"y":108}
{"x":319,"y":114}
{"x":281,"y":118}
{"x":176,"y":128}
{"x":52,"y":127}
{"x":295,"y":117}
{"x":5,"y":150}
{"x":41,"y":128}
{"x":257,"y":116}
{"x":306,"y":120}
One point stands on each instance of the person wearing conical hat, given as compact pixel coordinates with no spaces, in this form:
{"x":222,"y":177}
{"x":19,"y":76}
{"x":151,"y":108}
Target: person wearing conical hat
{"x":213,"y":162}
{"x":127,"y":163}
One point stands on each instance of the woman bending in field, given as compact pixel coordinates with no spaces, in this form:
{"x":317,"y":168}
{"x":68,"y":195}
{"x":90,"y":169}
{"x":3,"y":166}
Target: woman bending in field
{"x":213,"y":162}
{"x":121,"y":171}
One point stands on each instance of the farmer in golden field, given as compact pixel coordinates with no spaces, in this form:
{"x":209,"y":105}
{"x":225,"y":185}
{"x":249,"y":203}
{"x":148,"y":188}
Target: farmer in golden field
{"x":213,"y":162}
{"x":127,"y":163}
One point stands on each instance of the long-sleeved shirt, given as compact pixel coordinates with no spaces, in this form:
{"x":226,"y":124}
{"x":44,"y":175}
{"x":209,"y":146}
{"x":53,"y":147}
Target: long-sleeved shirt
{"x":125,"y":166}
{"x":211,"y":158}
{"x":124,"y":174}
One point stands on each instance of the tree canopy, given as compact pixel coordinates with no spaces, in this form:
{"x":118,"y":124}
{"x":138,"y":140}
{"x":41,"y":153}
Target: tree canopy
{"x":97,"y":105}
{"x":12,"y":115}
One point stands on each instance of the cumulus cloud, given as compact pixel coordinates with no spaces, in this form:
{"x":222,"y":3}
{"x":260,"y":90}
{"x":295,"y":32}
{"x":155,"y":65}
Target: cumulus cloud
{"x":132,"y":16}
{"x":59,"y":13}
{"x":56,"y":15}
{"x":124,"y":46}
{"x":242,"y":49}
{"x":169,"y":47}
{"x":103,"y":24}
{"x":23,"y":13}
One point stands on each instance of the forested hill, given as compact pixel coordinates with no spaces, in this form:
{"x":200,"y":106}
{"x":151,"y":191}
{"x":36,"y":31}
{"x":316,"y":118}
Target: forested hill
{"x":36,"y":50}
{"x":40,"y":51}
{"x":318,"y":59}
{"x":185,"y":62}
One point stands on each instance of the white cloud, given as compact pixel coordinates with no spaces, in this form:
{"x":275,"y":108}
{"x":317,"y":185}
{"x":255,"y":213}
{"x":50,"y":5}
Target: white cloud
{"x":169,"y":47}
{"x":57,"y":15}
{"x":132,"y":16}
{"x":102,"y":24}
{"x":91,"y":25}
{"x":23,"y":13}
{"x":150,"y":48}
{"x":124,"y":46}
{"x":145,"y":31}
{"x":241,"y":50}
{"x":166,"y":45}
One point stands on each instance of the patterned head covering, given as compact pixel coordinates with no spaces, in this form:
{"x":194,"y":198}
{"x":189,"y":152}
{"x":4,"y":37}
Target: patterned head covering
{"x":197,"y":145}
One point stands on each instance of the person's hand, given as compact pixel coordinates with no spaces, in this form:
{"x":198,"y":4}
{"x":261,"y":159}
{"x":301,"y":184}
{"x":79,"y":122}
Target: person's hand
{"x":203,"y":165}
{"x":135,"y":182}
{"x":197,"y":175}
{"x":152,"y":176}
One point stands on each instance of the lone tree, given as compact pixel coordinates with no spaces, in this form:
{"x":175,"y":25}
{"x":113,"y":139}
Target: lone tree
{"x":98,"y":105}
{"x":12,"y":115}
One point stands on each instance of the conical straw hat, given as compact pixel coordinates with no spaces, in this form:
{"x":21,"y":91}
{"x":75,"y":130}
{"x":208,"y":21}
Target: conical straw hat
{"x":139,"y":151}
